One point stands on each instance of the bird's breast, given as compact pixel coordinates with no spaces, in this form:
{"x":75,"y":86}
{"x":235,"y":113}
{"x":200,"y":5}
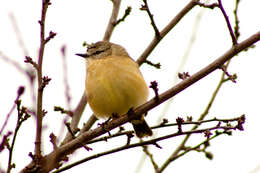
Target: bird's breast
{"x":114,"y":85}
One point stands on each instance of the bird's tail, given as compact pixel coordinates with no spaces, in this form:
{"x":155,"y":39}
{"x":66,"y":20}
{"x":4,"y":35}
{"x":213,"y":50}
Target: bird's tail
{"x":141,"y":128}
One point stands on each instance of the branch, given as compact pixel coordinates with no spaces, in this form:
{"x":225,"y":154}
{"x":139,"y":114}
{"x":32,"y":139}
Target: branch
{"x":165,"y":31}
{"x":76,"y":118}
{"x":202,"y":116}
{"x":51,"y":160}
{"x":39,"y":114}
{"x":20,"y":91}
{"x":22,"y":115}
{"x":210,"y":6}
{"x":234,"y":39}
{"x":145,"y":7}
{"x":18,"y":34}
{"x":144,"y":143}
{"x":127,"y":12}
{"x":163,"y":125}
{"x":236,"y":28}
{"x":113,"y":20}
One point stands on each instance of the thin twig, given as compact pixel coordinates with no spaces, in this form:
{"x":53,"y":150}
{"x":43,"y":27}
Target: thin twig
{"x":210,"y":6}
{"x":164,"y":125}
{"x":76,"y":118}
{"x":73,"y":136}
{"x":127,"y":13}
{"x":65,"y":77}
{"x":67,"y":94}
{"x":157,"y":65}
{"x":145,"y":7}
{"x":236,"y":27}
{"x":39,"y":114}
{"x":22,"y":115}
{"x":195,"y":147}
{"x":15,"y":64}
{"x":63,"y":111}
{"x":113,"y":20}
{"x":233,"y":37}
{"x":18,"y":34}
{"x":165,"y":31}
{"x":4,"y":143}
{"x":150,"y":155}
{"x":20,"y":91}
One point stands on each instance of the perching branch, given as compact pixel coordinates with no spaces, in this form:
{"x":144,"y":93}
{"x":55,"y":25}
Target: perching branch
{"x":152,"y":142}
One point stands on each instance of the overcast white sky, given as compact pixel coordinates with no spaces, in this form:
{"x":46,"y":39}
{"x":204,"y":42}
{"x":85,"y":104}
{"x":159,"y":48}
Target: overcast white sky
{"x":78,"y":21}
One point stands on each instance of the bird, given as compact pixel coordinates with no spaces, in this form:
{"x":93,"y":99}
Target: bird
{"x":114,"y":84}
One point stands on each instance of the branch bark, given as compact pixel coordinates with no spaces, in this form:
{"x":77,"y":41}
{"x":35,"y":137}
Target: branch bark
{"x":39,"y":114}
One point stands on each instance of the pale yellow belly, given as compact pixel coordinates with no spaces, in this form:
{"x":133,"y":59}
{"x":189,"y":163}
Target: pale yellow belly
{"x":114,"y":85}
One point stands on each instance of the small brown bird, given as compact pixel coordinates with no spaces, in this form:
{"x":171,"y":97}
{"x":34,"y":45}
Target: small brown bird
{"x":114,"y":83}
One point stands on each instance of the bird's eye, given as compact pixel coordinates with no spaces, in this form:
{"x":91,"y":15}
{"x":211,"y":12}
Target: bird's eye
{"x":91,"y":47}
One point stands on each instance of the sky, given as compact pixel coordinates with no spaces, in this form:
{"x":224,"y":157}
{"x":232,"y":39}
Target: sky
{"x":82,"y":21}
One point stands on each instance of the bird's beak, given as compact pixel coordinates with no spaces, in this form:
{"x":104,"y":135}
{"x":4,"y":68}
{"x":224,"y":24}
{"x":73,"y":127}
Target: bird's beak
{"x":82,"y":55}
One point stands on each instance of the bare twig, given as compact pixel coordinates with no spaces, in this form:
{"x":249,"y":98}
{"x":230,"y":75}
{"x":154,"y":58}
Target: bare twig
{"x":4,"y":143}
{"x":51,"y":36}
{"x":236,"y":27}
{"x":154,"y":86}
{"x":210,"y":6}
{"x":165,"y":31}
{"x":13,"y":63}
{"x":53,"y":140}
{"x":76,"y":117}
{"x":127,"y":12}
{"x":113,"y":20}
{"x":39,"y":113}
{"x":51,"y":160}
{"x":63,"y":111}
{"x":73,"y":136}
{"x":145,"y":7}
{"x":230,"y":77}
{"x":30,"y":61}
{"x":67,"y":94}
{"x":233,"y":37}
{"x":157,"y":65}
{"x":207,"y":154}
{"x":18,"y":34}
{"x":22,"y":115}
{"x":29,"y":73}
{"x":150,"y":155}
{"x":20,"y":91}
{"x":65,"y":77}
